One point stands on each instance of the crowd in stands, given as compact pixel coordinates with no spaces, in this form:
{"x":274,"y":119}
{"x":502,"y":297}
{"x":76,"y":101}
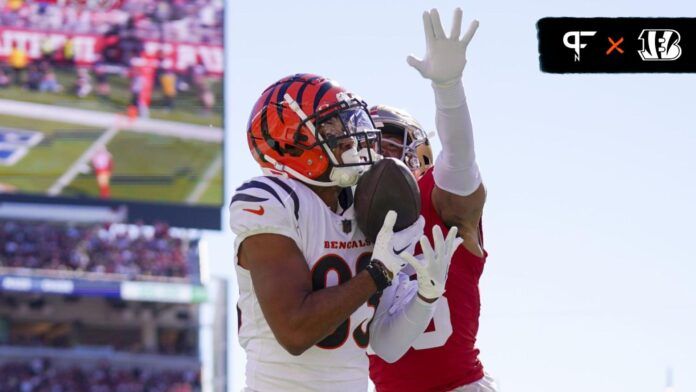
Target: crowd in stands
{"x":124,"y":25}
{"x":192,"y":21}
{"x":42,"y":375}
{"x":134,"y":251}
{"x":41,"y":76}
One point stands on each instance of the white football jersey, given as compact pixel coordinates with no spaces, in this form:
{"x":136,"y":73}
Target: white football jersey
{"x":334,"y":249}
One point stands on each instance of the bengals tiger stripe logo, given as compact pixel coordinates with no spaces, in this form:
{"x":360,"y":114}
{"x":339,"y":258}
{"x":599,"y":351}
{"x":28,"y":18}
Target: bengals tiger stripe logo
{"x":276,"y":131}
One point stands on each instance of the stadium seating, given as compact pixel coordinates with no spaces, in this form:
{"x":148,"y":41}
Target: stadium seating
{"x":40,"y":374}
{"x":182,"y":21}
{"x":121,"y":251}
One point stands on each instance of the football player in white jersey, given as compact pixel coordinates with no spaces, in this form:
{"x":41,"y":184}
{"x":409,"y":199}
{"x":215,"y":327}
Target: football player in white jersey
{"x":314,"y":292}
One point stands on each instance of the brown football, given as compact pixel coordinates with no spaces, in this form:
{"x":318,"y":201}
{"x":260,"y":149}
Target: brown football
{"x":387,"y":185}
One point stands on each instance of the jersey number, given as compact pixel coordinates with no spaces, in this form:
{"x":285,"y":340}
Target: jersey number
{"x":320,"y":272}
{"x":443,"y":328}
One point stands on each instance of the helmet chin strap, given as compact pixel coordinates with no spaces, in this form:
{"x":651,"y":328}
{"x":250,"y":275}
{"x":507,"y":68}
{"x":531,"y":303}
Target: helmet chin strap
{"x":340,"y":176}
{"x":344,"y":176}
{"x":348,"y":175}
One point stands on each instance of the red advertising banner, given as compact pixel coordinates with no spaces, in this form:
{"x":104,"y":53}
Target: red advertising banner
{"x":87,"y":49}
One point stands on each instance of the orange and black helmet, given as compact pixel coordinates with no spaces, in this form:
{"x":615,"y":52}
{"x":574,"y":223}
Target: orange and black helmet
{"x":282,"y":129}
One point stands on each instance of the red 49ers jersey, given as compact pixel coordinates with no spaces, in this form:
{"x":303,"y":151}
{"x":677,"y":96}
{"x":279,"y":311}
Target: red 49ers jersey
{"x":102,"y":161}
{"x":444,"y":357}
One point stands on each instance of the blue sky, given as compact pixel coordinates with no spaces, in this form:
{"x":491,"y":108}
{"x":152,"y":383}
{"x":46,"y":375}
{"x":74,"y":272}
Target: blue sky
{"x":590,"y":220}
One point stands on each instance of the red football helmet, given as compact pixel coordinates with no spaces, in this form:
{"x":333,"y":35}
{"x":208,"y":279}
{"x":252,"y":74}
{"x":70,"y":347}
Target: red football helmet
{"x":289,"y":131}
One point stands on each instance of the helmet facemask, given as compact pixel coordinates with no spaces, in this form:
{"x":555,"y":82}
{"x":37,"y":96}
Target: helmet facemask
{"x":345,"y":125}
{"x":408,"y":145}
{"x":403,"y":138}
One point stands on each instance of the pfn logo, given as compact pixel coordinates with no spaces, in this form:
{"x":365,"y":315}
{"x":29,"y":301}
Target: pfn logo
{"x":660,"y":45}
{"x":575,"y":44}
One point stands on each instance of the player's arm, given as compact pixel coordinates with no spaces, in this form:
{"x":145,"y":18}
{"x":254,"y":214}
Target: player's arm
{"x":406,"y":310}
{"x":267,"y":246}
{"x":462,"y":211}
{"x":265,"y":222}
{"x":298,"y":316}
{"x":400,"y":318}
{"x":459,"y":194}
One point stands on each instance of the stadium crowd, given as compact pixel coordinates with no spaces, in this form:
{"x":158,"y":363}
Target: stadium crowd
{"x":134,"y":251}
{"x":191,"y":21}
{"x":39,"y":375}
{"x":124,"y":26}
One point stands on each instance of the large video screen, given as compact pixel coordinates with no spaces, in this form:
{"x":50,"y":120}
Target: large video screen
{"x":113,"y":102}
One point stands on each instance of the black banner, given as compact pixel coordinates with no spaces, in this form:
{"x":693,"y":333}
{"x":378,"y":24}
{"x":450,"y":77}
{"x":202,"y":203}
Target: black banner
{"x":589,"y":45}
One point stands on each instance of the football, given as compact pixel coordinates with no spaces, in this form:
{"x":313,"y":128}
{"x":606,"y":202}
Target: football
{"x":387,"y":185}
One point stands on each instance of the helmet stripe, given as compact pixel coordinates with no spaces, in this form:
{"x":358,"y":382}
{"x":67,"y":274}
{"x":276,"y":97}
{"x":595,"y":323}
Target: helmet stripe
{"x":301,"y":91}
{"x":280,"y":97}
{"x":269,"y":96}
{"x":252,"y":140}
{"x":266,"y":135}
{"x":323,"y":89}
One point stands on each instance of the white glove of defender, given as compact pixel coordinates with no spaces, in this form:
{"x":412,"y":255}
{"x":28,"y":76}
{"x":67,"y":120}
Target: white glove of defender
{"x":432,"y":274}
{"x":445,"y":58}
{"x":390,"y":247}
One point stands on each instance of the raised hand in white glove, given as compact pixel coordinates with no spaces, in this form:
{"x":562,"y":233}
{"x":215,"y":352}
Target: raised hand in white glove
{"x":390,"y":247}
{"x":445,"y":58}
{"x":432,"y":271}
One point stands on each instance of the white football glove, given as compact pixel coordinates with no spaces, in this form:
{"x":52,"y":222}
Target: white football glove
{"x":445,"y":58}
{"x":432,"y":273}
{"x":390,"y":247}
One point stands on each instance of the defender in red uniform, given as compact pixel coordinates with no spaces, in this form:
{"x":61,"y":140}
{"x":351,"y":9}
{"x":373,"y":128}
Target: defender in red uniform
{"x":444,"y":358}
{"x":103,"y":164}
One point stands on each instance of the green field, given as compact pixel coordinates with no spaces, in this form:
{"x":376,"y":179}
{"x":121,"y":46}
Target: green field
{"x":146,"y":167}
{"x":44,"y":164}
{"x":186,"y":105}
{"x":151,"y":167}
{"x":213,"y":194}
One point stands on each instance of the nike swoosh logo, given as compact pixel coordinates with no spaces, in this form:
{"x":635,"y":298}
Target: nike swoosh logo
{"x":258,"y":211}
{"x":400,"y":250}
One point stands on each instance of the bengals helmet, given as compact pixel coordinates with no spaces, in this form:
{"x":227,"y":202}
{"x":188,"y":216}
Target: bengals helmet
{"x":415,"y":146}
{"x":287,"y":131}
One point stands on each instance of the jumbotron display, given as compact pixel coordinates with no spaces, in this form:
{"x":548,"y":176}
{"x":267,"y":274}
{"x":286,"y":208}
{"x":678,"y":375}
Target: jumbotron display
{"x":114,"y":102}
